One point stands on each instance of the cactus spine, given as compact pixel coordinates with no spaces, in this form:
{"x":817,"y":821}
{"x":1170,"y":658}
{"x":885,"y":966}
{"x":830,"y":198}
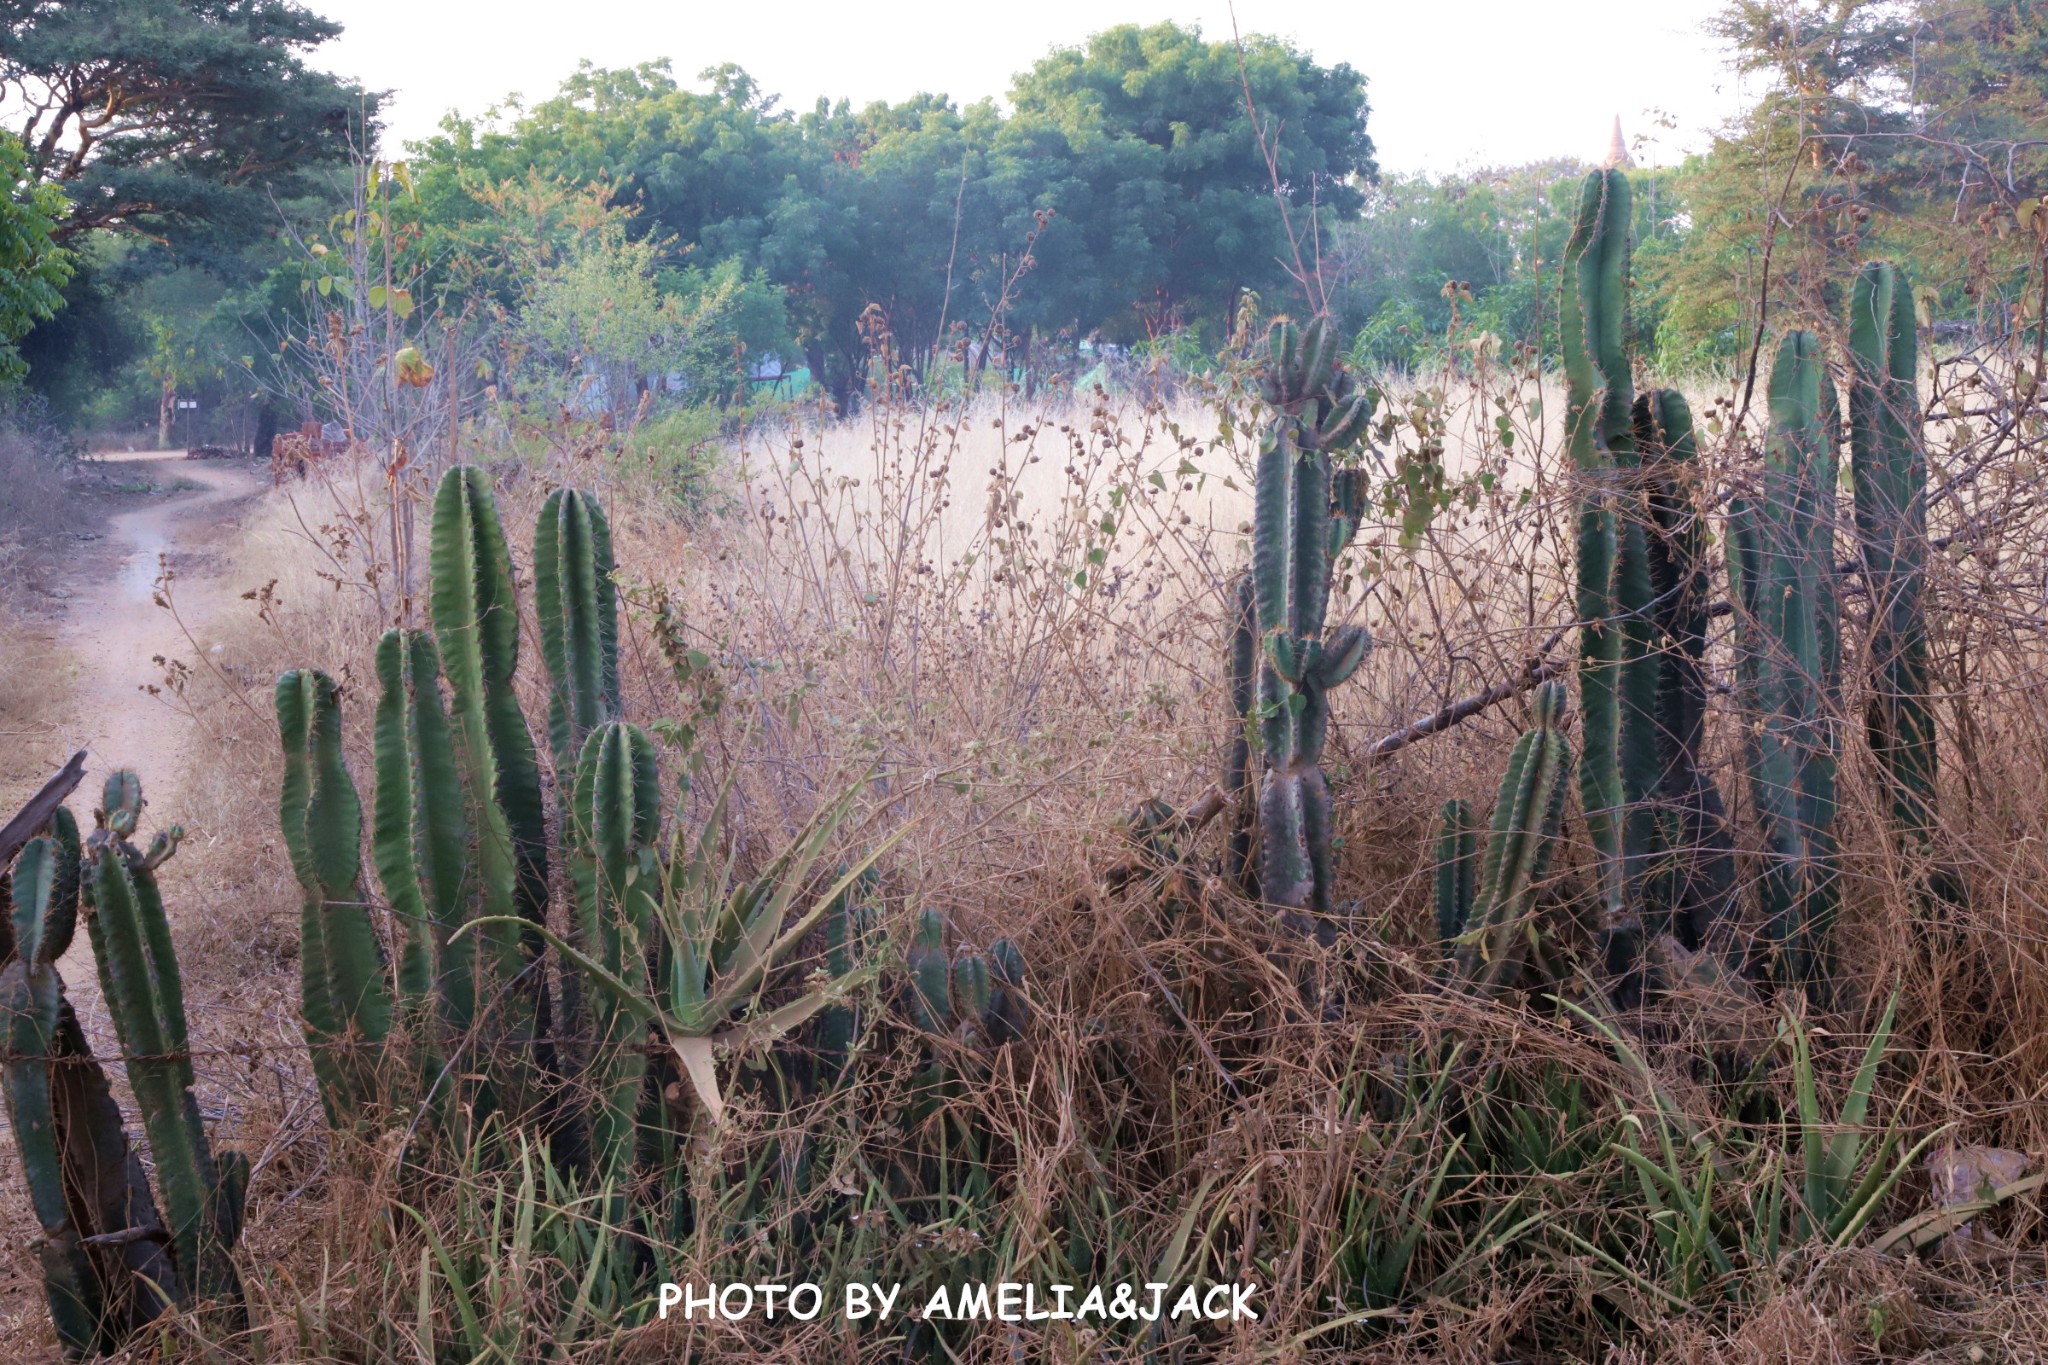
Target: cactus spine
{"x":139,"y":976}
{"x":1788,"y":654}
{"x":1317,"y":412}
{"x":1889,"y":466}
{"x":1526,"y":814}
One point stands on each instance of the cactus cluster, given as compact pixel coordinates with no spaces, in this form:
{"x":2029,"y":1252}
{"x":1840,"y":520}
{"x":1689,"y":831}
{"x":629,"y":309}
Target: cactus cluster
{"x":1663,"y":845}
{"x":1486,"y":902}
{"x":666,"y":950}
{"x":1782,"y":562}
{"x":1306,"y":511}
{"x":110,"y":1259}
{"x":979,"y":999}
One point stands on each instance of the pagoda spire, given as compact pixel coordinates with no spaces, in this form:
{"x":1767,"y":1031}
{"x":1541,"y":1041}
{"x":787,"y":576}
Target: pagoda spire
{"x":1617,"y":149}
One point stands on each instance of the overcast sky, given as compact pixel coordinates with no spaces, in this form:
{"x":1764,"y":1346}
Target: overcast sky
{"x":1452,"y":83}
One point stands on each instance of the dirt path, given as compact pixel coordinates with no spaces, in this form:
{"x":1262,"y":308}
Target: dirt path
{"x":113,"y":631}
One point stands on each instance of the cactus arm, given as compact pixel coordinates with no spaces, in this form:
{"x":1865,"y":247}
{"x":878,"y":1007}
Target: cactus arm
{"x":1700,"y":883}
{"x":394,"y":821}
{"x":578,"y":620}
{"x":476,"y":620}
{"x":347,"y":1001}
{"x":139,"y":996}
{"x":29,"y":1002}
{"x":617,"y":810}
{"x":443,"y":838}
{"x":1788,"y":653}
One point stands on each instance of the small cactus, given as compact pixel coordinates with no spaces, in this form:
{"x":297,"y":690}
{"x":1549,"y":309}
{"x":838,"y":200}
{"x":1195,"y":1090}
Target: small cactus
{"x":1526,"y":816}
{"x":83,"y":1180}
{"x":1457,"y":869}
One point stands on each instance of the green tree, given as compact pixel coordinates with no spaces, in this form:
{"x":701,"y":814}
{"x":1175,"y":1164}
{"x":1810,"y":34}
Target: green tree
{"x":33,"y":268}
{"x":178,"y":119}
{"x":1165,"y":202}
{"x":1912,"y":130}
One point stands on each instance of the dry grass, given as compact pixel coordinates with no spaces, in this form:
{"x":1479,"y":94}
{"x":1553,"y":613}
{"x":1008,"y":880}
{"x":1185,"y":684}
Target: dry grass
{"x":1006,"y":617}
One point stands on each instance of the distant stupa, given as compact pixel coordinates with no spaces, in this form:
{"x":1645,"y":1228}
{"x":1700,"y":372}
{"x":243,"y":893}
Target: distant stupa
{"x":1617,"y":150}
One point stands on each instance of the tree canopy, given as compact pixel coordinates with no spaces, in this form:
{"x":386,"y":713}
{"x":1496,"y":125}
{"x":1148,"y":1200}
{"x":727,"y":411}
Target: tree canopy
{"x":178,"y":119}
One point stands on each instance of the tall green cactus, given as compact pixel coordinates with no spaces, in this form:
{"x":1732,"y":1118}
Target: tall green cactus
{"x":1619,"y":672}
{"x":475,"y":611}
{"x":1693,"y":891}
{"x":346,"y":1002}
{"x":476,"y":619}
{"x":140,"y":980}
{"x":84,"y":1182}
{"x":1492,"y":942}
{"x":1889,"y":467}
{"x":1788,"y":657}
{"x":617,"y":809}
{"x":1317,"y":412}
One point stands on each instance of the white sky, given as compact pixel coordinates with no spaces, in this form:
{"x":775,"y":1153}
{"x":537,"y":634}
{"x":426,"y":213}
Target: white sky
{"x":1452,"y":83}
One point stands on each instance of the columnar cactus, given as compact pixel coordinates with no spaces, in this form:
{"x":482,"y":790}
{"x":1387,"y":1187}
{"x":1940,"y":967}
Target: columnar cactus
{"x":83,"y":1181}
{"x":1491,"y":943}
{"x":1889,"y":467}
{"x":1618,"y":671}
{"x":1295,"y":536}
{"x":1788,"y":654}
{"x":346,"y":1002}
{"x":981,"y":999}
{"x":1457,"y":869}
{"x":139,"y":976}
{"x":476,"y":620}
{"x":419,"y":841}
{"x":1693,"y":887}
{"x":617,"y":810}
{"x":579,"y":620}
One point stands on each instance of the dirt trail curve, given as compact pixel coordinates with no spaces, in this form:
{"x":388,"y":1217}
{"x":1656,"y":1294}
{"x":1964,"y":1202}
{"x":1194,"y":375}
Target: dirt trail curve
{"x":113,"y":629}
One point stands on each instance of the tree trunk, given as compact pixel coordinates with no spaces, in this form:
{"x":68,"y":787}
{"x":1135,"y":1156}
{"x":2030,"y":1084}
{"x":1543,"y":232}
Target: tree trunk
{"x":163,"y":415}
